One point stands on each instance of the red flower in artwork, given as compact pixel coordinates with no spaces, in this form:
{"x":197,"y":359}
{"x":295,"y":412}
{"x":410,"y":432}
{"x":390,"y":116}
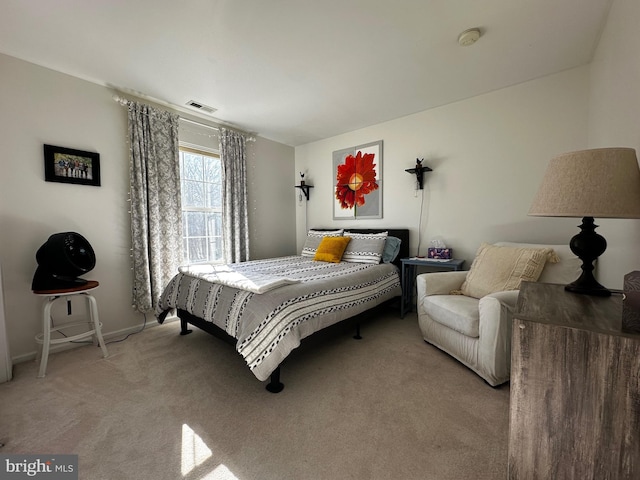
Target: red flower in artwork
{"x":356,"y":177}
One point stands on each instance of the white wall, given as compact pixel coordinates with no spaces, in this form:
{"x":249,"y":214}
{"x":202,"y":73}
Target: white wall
{"x":488,"y":155}
{"x":614,"y":121}
{"x":38,"y":106}
{"x":271,"y":211}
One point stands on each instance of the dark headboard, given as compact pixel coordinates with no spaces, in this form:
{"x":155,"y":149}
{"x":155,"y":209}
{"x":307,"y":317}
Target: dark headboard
{"x":401,"y":233}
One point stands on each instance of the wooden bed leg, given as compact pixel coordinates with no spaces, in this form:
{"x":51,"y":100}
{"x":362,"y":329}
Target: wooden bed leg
{"x":183,"y":327}
{"x":357,"y":335}
{"x":274,"y":385}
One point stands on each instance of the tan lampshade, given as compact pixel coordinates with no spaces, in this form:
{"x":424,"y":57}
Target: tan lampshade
{"x":602,"y":183}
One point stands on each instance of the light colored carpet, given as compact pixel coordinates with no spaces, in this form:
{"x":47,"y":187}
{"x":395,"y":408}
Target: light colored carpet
{"x":163,"y":406}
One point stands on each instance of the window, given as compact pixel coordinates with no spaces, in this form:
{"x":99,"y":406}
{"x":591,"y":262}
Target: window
{"x":201,"y":185}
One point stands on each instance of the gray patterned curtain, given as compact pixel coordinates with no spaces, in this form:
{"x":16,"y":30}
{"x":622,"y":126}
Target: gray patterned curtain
{"x":234,"y":195}
{"x":156,"y":212}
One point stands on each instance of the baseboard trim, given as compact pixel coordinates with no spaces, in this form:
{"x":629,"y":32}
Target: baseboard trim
{"x":106,"y":335}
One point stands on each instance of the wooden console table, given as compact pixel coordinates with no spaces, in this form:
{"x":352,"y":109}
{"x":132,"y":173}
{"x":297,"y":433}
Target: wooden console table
{"x":575,"y":388}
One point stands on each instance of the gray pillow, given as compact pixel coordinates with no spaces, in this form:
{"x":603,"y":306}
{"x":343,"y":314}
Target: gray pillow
{"x":314,"y":237}
{"x":364,"y":247}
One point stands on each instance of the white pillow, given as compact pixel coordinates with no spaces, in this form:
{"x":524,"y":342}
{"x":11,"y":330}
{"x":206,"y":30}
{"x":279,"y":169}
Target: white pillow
{"x":501,"y":268}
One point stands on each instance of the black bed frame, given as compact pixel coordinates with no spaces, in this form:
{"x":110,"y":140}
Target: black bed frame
{"x":275,"y":385}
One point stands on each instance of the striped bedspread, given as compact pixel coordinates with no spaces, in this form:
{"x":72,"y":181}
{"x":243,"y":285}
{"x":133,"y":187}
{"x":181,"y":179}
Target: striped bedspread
{"x":268,"y":326}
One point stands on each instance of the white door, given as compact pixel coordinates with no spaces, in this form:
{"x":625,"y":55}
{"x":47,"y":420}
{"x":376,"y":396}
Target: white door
{"x":5,"y":358}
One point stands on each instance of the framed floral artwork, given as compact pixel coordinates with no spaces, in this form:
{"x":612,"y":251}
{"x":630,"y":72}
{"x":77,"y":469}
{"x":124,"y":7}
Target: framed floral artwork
{"x":358,"y":182}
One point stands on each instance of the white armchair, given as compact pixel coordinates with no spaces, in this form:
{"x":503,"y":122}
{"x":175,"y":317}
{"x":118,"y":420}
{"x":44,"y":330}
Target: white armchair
{"x":477,"y":332}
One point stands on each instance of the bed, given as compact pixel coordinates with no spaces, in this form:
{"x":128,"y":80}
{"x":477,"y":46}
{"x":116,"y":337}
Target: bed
{"x":266,"y":307}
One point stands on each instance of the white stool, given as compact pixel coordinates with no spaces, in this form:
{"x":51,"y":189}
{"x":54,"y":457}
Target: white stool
{"x":44,"y":338}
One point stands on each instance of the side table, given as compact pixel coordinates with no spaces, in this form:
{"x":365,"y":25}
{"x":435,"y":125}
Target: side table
{"x":409,"y":276}
{"x":45,"y":339}
{"x":574,"y":410}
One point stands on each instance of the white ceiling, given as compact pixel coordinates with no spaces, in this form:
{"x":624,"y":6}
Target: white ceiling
{"x":296,"y":71}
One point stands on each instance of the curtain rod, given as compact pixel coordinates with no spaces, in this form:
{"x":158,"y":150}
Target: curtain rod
{"x":123,"y":101}
{"x":248,"y":137}
{"x":182,"y":119}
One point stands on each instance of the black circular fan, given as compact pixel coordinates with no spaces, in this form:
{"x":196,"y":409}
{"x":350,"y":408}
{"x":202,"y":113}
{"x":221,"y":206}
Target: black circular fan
{"x":61,"y":260}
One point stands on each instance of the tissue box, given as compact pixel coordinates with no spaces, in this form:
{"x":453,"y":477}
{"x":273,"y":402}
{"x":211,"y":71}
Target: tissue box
{"x":441,"y":253}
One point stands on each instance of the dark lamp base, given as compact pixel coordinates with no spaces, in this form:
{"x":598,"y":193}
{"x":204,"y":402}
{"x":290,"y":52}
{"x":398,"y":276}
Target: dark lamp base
{"x":588,"y":246}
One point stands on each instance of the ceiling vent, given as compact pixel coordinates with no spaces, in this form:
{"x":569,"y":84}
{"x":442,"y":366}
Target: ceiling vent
{"x":200,"y":106}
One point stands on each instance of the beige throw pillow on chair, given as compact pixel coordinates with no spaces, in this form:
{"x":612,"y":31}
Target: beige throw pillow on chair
{"x":497,"y":268}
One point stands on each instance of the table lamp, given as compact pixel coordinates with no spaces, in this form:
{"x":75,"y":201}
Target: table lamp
{"x":602,"y":182}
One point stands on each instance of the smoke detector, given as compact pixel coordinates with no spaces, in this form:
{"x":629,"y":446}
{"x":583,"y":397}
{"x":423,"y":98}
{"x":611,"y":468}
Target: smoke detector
{"x":469,"y":37}
{"x":200,"y":106}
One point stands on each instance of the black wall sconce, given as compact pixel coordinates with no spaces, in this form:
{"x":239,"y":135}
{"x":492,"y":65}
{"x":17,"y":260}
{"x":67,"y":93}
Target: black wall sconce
{"x":418,"y":171}
{"x":304,"y":187}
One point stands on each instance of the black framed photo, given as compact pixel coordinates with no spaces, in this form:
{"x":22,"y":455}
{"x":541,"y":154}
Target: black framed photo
{"x":67,"y":165}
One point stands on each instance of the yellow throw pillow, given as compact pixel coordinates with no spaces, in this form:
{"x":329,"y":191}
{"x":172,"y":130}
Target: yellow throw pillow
{"x":500,"y":268}
{"x":331,"y":249}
